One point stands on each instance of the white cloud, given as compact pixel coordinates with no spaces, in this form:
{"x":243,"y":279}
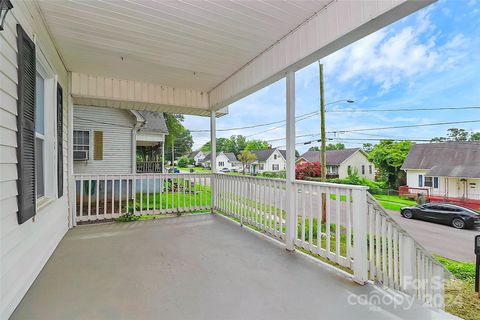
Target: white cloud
{"x":389,"y":56}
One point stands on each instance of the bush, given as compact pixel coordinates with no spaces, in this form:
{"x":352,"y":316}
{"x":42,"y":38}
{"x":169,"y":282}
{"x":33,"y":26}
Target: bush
{"x":308,"y":170}
{"x":127,"y":217}
{"x":274,"y":174}
{"x":183,"y":162}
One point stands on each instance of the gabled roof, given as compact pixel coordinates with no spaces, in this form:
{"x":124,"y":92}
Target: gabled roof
{"x":154,"y":122}
{"x":208,"y":157}
{"x":193,"y":154}
{"x":455,"y":171}
{"x":231,"y":156}
{"x":263,"y":155}
{"x":444,"y":156}
{"x":332,"y":157}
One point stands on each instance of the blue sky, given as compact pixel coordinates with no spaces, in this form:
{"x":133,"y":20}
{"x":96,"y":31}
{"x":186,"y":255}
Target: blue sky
{"x":427,"y":60}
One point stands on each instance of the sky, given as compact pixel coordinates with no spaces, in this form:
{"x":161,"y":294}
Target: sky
{"x":430,"y":59}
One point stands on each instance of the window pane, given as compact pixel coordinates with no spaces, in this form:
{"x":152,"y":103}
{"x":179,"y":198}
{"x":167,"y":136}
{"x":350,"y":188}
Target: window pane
{"x":39,"y":174}
{"x":39,"y":105}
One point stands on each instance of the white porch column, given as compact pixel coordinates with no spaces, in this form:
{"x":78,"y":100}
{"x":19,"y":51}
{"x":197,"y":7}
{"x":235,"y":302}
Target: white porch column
{"x":163,"y":155}
{"x":213,"y":156}
{"x":290,"y":188}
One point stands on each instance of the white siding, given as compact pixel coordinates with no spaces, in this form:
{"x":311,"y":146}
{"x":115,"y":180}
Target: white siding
{"x":117,"y":126}
{"x":226,"y":163}
{"x":356,"y":161}
{"x":280,"y":161}
{"x":24,"y":248}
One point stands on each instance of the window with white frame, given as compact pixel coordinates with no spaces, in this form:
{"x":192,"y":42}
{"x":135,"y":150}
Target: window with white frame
{"x":45,"y":124}
{"x":428,"y":182}
{"x":363,"y":169}
{"x":221,"y":163}
{"x":81,"y":145}
{"x":39,"y":135}
{"x":275,"y":157}
{"x":275,"y":167}
{"x":370,"y":170}
{"x":261,"y":166}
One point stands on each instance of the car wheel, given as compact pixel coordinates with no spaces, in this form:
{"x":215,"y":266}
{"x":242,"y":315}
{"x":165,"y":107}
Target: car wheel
{"x":458,"y":223}
{"x":407,"y":214}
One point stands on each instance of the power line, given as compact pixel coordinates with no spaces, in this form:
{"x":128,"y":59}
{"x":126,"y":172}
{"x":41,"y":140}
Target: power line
{"x":383,"y":128}
{"x":405,"y":110}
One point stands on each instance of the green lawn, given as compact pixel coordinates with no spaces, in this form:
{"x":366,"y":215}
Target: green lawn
{"x":460,"y":297}
{"x":201,"y":195}
{"x":392,"y":202}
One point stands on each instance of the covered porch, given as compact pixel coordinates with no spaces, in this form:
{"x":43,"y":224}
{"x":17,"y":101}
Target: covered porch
{"x":197,"y":267}
{"x":183,"y":58}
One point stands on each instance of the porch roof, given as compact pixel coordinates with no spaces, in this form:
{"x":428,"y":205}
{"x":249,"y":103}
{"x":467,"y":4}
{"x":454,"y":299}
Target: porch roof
{"x":192,"y":58}
{"x":195,"y":267}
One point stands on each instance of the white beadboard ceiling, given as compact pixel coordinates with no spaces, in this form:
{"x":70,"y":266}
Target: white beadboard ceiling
{"x":219,"y":50}
{"x":188,"y":44}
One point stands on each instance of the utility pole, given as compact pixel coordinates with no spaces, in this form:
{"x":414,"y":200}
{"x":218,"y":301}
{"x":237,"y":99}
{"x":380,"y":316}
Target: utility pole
{"x":323,"y":146}
{"x":173,"y":154}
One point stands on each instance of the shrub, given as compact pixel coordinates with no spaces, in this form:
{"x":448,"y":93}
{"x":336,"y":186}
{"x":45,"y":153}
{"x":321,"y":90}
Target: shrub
{"x":274,"y":174}
{"x":183,"y":162}
{"x":127,"y":217}
{"x":308,"y":169}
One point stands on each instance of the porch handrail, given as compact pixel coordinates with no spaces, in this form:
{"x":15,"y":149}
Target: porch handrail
{"x":414,"y":270}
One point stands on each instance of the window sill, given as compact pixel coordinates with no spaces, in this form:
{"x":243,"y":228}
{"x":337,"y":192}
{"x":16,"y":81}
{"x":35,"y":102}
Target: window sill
{"x":43,"y":202}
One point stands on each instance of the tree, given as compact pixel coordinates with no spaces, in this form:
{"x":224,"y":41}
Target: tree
{"x":183,"y":162}
{"x":246,"y":158}
{"x":315,"y":148}
{"x":367,"y":147}
{"x":388,"y":156}
{"x":456,"y":134}
{"x":177,"y":134}
{"x":256,"y":145}
{"x":335,"y":146}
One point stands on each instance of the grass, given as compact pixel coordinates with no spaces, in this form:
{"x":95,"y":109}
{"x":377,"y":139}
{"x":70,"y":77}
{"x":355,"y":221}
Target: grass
{"x":201,"y":195}
{"x":460,"y":296}
{"x":394,"y":203}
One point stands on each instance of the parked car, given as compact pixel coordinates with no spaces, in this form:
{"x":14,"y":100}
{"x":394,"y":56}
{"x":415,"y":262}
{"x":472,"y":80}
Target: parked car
{"x":444,"y":213}
{"x":225,"y":170}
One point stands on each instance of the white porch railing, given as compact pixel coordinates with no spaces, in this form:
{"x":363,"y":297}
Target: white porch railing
{"x":149,"y":167}
{"x":399,"y":262}
{"x":352,"y":230}
{"x":341,"y":223}
{"x":259,"y":202}
{"x":100,"y":197}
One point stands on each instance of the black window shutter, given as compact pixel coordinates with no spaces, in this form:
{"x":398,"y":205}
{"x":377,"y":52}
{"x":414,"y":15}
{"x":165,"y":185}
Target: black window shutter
{"x":60,"y":140}
{"x":26,"y":126}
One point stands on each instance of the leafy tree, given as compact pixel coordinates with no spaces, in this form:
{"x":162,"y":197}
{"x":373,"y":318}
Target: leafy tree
{"x":235,"y":144}
{"x":315,"y":148}
{"x":183,"y":162}
{"x":475,"y":136}
{"x":335,"y":146}
{"x":367,"y":147}
{"x":178,"y":135}
{"x":388,"y":156}
{"x":246,"y":158}
{"x":256,"y":145}
{"x":456,"y":134}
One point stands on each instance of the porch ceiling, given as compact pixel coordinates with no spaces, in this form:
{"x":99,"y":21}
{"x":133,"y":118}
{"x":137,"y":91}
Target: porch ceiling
{"x":225,"y":48}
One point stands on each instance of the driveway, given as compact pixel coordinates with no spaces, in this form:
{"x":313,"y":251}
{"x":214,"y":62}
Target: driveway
{"x":440,"y":239}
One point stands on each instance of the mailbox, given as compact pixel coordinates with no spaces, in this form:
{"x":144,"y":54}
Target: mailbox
{"x":477,"y":245}
{"x":477,"y":267}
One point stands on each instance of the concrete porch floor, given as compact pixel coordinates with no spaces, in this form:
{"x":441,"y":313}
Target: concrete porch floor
{"x":192,"y":267}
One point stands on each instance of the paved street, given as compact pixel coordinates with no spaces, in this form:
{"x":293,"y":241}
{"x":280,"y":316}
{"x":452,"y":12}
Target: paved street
{"x":439,"y":239}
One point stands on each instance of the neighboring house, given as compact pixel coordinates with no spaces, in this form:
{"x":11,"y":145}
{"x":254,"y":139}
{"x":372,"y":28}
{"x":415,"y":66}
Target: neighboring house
{"x":225,"y":160}
{"x":198,"y":156}
{"x":448,"y":170}
{"x":108,"y":140}
{"x":338,"y":162}
{"x":268,"y":160}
